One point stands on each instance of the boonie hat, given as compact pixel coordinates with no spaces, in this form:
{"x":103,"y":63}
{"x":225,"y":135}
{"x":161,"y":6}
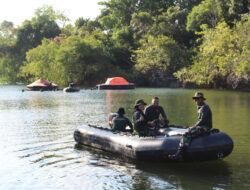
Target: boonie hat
{"x":121,"y":111}
{"x":198,"y":95}
{"x":139,"y":102}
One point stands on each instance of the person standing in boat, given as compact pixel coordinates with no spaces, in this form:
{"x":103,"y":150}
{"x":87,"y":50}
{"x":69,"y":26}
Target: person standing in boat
{"x":203,"y":125}
{"x":141,"y":124}
{"x":153,"y":112}
{"x":120,"y":122}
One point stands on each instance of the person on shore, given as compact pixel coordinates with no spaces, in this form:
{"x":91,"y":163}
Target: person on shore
{"x":203,"y":125}
{"x":120,"y":122}
{"x":153,"y":112}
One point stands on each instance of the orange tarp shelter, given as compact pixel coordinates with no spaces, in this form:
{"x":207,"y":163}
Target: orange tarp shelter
{"x":116,"y":81}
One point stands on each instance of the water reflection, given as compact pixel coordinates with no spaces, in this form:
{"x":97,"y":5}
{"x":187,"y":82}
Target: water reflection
{"x":118,"y":98}
{"x":145,"y":175}
{"x":38,"y":100}
{"x":204,"y":175}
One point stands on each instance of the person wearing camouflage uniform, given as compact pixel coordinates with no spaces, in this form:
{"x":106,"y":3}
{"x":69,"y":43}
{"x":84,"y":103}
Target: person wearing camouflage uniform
{"x":203,"y":125}
{"x":120,"y":122}
{"x":139,"y":119}
{"x":141,"y":123}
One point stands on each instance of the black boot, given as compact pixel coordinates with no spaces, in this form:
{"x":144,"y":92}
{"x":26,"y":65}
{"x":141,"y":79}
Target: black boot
{"x":178,"y":156}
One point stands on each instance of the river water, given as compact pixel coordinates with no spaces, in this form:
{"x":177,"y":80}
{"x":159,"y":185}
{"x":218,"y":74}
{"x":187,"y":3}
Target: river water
{"x":37,"y":149}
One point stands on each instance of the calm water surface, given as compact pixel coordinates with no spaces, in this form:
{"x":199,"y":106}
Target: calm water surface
{"x":37,"y":149}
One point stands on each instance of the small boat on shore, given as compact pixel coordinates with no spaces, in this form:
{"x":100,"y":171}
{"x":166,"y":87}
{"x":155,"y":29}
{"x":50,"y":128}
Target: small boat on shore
{"x":212,"y":146}
{"x":116,"y":83}
{"x":42,"y":85}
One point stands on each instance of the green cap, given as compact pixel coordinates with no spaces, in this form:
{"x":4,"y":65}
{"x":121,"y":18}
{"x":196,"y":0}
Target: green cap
{"x":139,"y":102}
{"x":198,"y":95}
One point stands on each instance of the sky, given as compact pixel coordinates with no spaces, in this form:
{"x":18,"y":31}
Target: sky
{"x":17,"y":11}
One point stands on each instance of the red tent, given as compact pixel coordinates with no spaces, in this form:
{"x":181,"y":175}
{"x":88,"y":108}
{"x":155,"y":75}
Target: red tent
{"x":42,"y":83}
{"x":116,"y":81}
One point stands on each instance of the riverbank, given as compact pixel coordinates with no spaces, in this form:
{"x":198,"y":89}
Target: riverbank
{"x":171,"y":82}
{"x":220,"y":84}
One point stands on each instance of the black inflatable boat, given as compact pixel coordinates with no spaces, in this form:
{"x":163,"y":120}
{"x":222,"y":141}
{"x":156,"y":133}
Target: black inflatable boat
{"x":212,"y":146}
{"x":71,"y":89}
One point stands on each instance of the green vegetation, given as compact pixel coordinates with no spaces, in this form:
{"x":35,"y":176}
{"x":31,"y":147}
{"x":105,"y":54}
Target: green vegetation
{"x":223,"y":58}
{"x":198,"y":42}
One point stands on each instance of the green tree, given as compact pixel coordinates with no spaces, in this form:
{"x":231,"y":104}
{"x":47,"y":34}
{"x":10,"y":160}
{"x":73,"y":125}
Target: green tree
{"x":207,"y":12}
{"x":187,"y":5}
{"x":141,"y":23}
{"x":123,"y":37}
{"x":159,"y":57}
{"x":7,"y":38}
{"x":80,"y":22}
{"x":9,"y":68}
{"x":224,"y":53}
{"x":155,"y":7}
{"x":109,"y":22}
{"x":172,"y":23}
{"x":6,"y":24}
{"x":77,"y":59}
{"x":234,"y":9}
{"x":91,"y":26}
{"x":121,"y":10}
{"x":69,"y":30}
{"x":58,"y":16}
{"x":31,"y":33}
{"x":8,"y":57}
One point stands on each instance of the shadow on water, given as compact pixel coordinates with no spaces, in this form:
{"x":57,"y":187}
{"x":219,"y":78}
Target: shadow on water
{"x":190,"y":175}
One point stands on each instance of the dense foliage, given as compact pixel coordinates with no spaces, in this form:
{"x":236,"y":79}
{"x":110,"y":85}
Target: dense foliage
{"x":202,"y":42}
{"x":223,"y":58}
{"x":73,"y":59}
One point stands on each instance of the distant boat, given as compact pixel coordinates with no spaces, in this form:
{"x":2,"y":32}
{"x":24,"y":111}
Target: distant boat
{"x":71,"y":88}
{"x":42,"y":85}
{"x":116,"y":83}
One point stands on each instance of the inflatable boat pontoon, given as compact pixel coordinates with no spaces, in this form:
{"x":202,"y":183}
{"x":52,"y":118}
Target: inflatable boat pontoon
{"x":212,"y":146}
{"x":71,"y":89}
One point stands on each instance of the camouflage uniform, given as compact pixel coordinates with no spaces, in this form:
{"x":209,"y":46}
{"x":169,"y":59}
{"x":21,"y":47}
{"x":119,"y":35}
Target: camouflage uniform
{"x":203,"y":125}
{"x":140,"y":127}
{"x":119,"y":123}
